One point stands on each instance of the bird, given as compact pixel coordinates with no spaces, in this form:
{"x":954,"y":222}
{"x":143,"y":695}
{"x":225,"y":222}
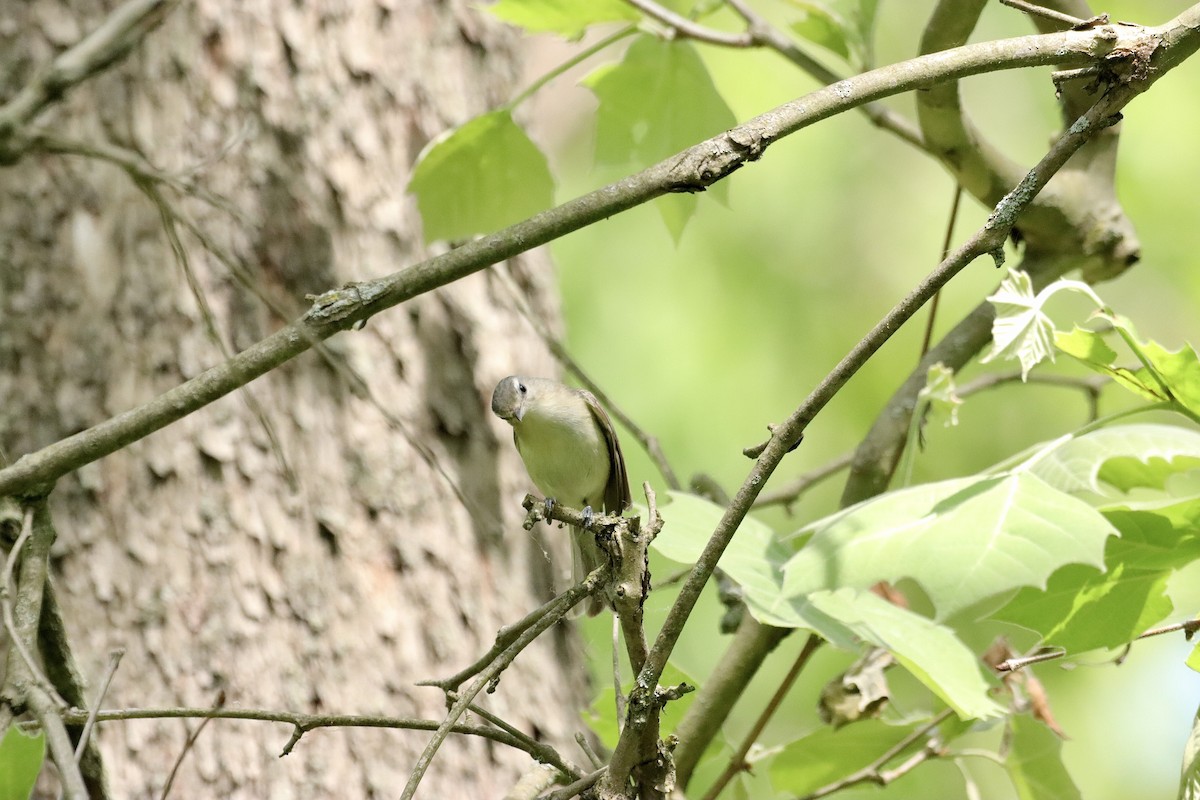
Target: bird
{"x":570,"y":450}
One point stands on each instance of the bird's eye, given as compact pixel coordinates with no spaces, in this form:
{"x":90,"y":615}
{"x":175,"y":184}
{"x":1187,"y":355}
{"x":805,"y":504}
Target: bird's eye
{"x":521,"y":386}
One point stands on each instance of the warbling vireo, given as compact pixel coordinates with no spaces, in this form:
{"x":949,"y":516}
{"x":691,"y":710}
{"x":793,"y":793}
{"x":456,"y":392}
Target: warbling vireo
{"x":570,"y":451}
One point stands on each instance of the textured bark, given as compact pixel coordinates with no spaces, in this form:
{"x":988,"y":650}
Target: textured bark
{"x":294,"y":550}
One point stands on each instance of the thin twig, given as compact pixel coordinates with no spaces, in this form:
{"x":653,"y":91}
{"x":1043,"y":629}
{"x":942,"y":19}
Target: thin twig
{"x":569,"y":64}
{"x":737,"y":762}
{"x":58,"y":741}
{"x":618,"y":694}
{"x":790,"y":492}
{"x":540,"y":751}
{"x":691,"y":28}
{"x":578,"y":787}
{"x":24,"y":684}
{"x":768,"y":35}
{"x":947,"y":240}
{"x":1014,"y":664}
{"x":592,"y":756}
{"x":10,"y":624}
{"x":491,"y":673}
{"x":300,"y":721}
{"x":504,"y":637}
{"x":1189,"y":628}
{"x":169,"y":220}
{"x":188,"y":744}
{"x":1042,"y":11}
{"x":873,"y":772}
{"x":114,"y":660}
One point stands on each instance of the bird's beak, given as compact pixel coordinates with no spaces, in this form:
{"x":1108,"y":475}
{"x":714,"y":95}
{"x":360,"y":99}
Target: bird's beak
{"x":509,"y":415}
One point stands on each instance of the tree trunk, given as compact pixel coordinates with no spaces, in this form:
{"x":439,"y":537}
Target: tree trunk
{"x":290,"y":545}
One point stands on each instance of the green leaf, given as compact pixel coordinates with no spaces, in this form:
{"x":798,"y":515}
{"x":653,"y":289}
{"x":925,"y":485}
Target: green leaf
{"x":21,"y":759}
{"x":1090,"y":348}
{"x":1105,"y":464}
{"x":753,"y":558}
{"x":1035,"y":764}
{"x":659,"y":100}
{"x":932,"y":653}
{"x":567,"y":18}
{"x":1164,"y":374}
{"x":823,"y":27}
{"x":940,"y":394}
{"x":1084,"y":609}
{"x":1193,"y":660}
{"x":479,"y":178}
{"x":826,"y":755}
{"x":676,"y":211}
{"x":962,"y":540}
{"x":1021,"y":329}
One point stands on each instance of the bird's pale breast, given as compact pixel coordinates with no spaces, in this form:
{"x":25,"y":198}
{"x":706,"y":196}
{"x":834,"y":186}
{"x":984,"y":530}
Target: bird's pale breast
{"x":567,"y":460}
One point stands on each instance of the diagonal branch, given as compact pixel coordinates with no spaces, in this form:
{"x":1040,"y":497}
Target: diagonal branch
{"x":692,"y":170}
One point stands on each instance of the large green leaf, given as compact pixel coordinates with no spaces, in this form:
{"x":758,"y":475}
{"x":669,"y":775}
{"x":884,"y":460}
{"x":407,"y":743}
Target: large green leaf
{"x":1032,"y":526}
{"x":657,"y":101}
{"x":753,"y":558}
{"x":962,"y":540}
{"x":1083,"y":609}
{"x":933,"y":654}
{"x":829,"y":755}
{"x":1106,"y":463}
{"x":568,"y":18}
{"x":1035,"y":764}
{"x":1164,"y":375}
{"x":846,"y":618}
{"x":480,"y":178}
{"x":823,"y":26}
{"x":20,"y":762}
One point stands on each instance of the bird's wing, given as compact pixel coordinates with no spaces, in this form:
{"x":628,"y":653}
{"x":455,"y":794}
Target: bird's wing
{"x":617,"y":497}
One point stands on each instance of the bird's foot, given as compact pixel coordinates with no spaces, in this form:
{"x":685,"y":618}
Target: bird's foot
{"x":588,"y":516}
{"x":549,"y":506}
